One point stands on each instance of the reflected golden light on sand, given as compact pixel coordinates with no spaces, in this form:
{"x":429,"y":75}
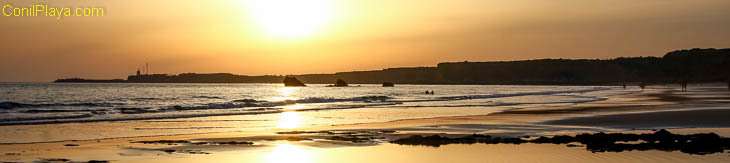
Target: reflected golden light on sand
{"x":290,"y":120}
{"x":292,"y":107}
{"x":287,"y":153}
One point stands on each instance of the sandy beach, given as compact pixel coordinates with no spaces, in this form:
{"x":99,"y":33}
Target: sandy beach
{"x":699,"y":110}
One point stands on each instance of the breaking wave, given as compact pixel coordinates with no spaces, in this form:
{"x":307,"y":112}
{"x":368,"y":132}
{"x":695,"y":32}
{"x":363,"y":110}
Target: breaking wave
{"x":159,"y":108}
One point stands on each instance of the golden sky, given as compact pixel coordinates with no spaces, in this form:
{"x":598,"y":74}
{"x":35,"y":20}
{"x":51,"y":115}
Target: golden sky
{"x":256,"y":37}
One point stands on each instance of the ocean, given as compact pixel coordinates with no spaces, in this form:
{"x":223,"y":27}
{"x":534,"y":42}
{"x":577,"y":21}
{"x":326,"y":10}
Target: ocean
{"x":43,"y":112}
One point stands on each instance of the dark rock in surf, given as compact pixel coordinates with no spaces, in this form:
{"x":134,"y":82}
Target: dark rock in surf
{"x":388,"y":84}
{"x":224,"y":143}
{"x":54,"y":160}
{"x":341,"y":83}
{"x":97,"y":161}
{"x":293,"y":82}
{"x":168,"y":142}
{"x":10,"y":105}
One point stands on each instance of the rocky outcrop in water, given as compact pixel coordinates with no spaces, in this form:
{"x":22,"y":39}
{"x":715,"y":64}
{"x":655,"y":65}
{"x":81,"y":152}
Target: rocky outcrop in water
{"x":293,"y":82}
{"x":388,"y":84}
{"x":341,"y":83}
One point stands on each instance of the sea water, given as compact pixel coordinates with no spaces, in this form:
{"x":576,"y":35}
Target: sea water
{"x":37,"y":112}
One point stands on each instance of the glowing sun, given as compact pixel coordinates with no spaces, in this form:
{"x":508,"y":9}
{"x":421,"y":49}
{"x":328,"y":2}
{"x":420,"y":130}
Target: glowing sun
{"x":291,"y":18}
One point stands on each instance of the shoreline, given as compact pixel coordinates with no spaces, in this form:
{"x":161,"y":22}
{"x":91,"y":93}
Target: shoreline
{"x":561,"y":120}
{"x":620,"y":103}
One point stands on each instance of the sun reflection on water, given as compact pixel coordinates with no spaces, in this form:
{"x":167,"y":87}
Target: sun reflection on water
{"x":287,"y":153}
{"x":289,"y":118}
{"x":287,"y":91}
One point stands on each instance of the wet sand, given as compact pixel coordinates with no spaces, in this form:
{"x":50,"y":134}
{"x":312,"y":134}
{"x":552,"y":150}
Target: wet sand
{"x":537,"y":121}
{"x":700,"y":118}
{"x":696,"y":111}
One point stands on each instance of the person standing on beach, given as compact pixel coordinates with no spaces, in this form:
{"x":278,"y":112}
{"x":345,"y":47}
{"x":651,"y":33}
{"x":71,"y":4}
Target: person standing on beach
{"x":642,"y":86}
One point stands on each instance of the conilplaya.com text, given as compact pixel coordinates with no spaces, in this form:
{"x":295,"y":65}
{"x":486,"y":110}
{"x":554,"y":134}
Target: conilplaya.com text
{"x":50,"y":11}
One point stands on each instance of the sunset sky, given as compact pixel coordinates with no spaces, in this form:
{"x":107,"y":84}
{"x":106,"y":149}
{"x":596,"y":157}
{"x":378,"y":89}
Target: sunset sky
{"x":279,"y":37}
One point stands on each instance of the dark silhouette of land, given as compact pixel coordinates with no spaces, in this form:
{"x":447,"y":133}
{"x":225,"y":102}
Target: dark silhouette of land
{"x":680,"y":67}
{"x":79,"y":80}
{"x":700,"y":144}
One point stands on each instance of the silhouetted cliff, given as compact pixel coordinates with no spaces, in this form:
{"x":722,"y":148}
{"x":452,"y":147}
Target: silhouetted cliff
{"x":79,"y":80}
{"x":695,"y":65}
{"x":203,"y":78}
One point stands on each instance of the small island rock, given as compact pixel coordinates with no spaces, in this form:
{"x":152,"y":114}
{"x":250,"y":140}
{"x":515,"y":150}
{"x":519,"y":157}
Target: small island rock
{"x":293,"y":82}
{"x":341,"y":83}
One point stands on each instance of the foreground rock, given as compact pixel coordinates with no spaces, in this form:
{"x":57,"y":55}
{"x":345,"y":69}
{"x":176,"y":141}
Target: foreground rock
{"x":701,"y":144}
{"x":178,"y":142}
{"x":293,"y":82}
{"x":168,"y":142}
{"x":52,"y":160}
